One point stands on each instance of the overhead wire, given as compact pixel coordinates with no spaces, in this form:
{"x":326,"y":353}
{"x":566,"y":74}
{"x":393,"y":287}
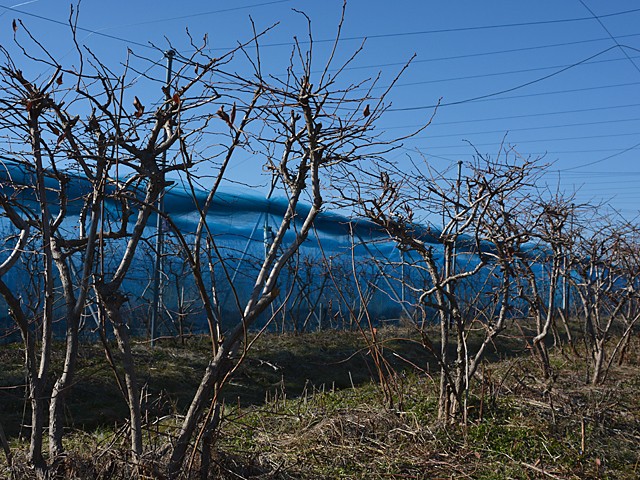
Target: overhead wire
{"x":494,"y":74}
{"x":495,"y":94}
{"x":504,"y":90}
{"x":528,"y":115}
{"x":491,"y":52}
{"x":101,"y":33}
{"x":451,"y":30}
{"x":201,"y":14}
{"x":344,"y":38}
{"x":618,"y":153}
{"x":527,"y":129}
{"x":599,"y":20}
{"x":530,"y":153}
{"x":477,"y":98}
{"x":79,"y":28}
{"x":470,"y":152}
{"x":560,"y":139}
{"x":595,"y":162}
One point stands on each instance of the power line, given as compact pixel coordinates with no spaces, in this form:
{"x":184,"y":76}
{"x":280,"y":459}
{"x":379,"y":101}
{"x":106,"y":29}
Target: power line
{"x":201,"y":14}
{"x":478,"y":54}
{"x":633,"y":182}
{"x":546,"y":152}
{"x":571,"y":90}
{"x":581,"y":124}
{"x":455,"y":29}
{"x":513,"y":117}
{"x":590,"y":173}
{"x":506,"y":90}
{"x":490,"y":27}
{"x":602,"y":159}
{"x":590,"y":150}
{"x":127,"y":40}
{"x":561,"y":139}
{"x":493,"y":52}
{"x":81,"y":29}
{"x":485,"y":98}
{"x":358,"y":37}
{"x":599,"y":20}
{"x":494,"y":74}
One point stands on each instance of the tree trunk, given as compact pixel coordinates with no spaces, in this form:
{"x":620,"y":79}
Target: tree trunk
{"x":215,"y":370}
{"x":598,"y":361}
{"x":444,"y":399}
{"x":207,"y":441}
{"x":60,"y":389}
{"x":37,"y":425}
{"x":113,"y":304}
{"x":5,"y":447}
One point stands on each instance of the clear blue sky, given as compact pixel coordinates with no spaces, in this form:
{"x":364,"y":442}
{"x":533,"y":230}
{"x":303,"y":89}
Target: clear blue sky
{"x":585,"y":120}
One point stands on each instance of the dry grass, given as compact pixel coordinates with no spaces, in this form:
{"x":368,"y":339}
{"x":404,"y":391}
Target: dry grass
{"x":308,"y":408}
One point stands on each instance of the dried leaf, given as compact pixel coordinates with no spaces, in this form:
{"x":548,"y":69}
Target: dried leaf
{"x":94,"y":125}
{"x":59,"y":80}
{"x":139,"y":107}
{"x":232,"y":116}
{"x":366,"y":112}
{"x":15,"y":25}
{"x":224,"y":115}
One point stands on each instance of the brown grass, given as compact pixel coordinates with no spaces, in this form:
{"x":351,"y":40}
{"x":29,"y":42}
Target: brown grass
{"x":309,"y":407}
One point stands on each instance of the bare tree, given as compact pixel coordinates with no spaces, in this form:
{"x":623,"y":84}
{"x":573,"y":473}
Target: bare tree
{"x":550,"y":228}
{"x":27,"y":113}
{"x":94,"y":151}
{"x":605,"y":266}
{"x":301,"y":126}
{"x":18,"y":313}
{"x":476,"y":231}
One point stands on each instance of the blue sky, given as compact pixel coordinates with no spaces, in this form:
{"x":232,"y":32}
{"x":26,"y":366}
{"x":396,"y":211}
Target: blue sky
{"x":584,"y":120}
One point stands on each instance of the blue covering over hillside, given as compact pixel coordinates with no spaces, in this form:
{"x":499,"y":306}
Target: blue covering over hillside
{"x":232,"y":212}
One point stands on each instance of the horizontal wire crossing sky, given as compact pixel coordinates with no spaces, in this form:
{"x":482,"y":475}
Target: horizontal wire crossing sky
{"x":558,"y":80}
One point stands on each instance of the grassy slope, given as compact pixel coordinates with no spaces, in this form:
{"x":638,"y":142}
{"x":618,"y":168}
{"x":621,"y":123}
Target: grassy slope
{"x":306,"y":407}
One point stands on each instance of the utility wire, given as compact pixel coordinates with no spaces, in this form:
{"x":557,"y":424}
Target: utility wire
{"x":485,"y":99}
{"x":514,"y":117}
{"x":201,"y":14}
{"x":589,"y":173}
{"x":599,"y":20}
{"x":505,"y":90}
{"x":539,"y":140}
{"x":128,"y":40}
{"x":81,"y":29}
{"x":455,"y":29}
{"x":427,"y":32}
{"x":424,"y":150}
{"x":549,"y":152}
{"x":633,"y":147}
{"x":528,"y":129}
{"x":493,"y":52}
{"x":493,"y":74}
{"x":359,"y":37}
